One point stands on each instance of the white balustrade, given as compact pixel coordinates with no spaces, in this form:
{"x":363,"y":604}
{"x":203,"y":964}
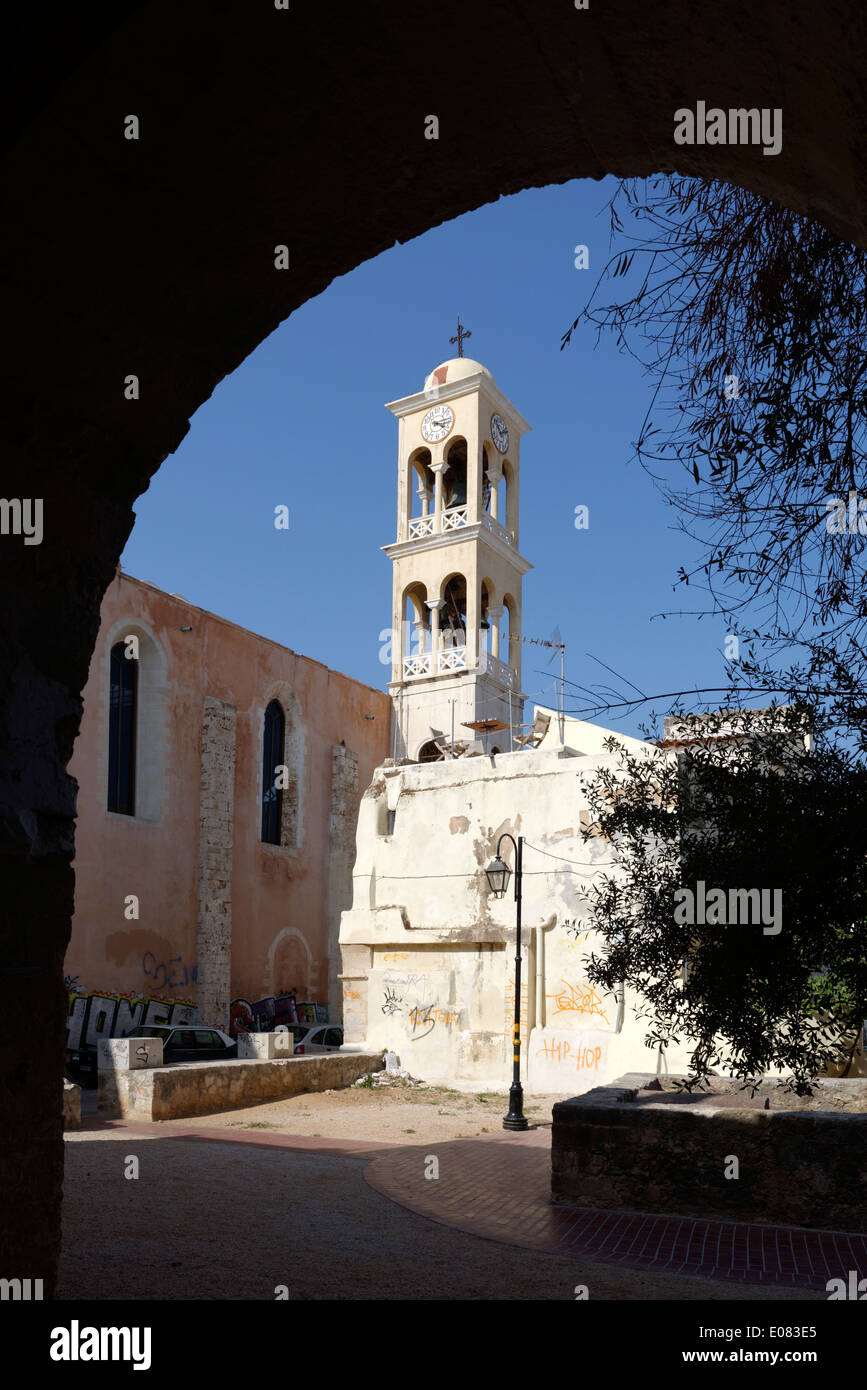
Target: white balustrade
{"x":497,"y":529}
{"x":421,"y":526}
{"x":454,"y":518}
{"x":452,"y":659}
{"x":417,"y":665}
{"x":498,"y":670}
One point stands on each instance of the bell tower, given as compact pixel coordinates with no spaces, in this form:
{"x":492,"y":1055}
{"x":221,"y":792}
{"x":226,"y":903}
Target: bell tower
{"x":457,"y":569}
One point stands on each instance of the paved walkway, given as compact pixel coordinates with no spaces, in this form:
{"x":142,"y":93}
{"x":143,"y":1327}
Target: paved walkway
{"x":499,"y":1187}
{"x":229,"y":1215}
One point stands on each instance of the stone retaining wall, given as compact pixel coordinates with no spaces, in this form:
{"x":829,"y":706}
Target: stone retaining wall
{"x":201,"y":1088}
{"x":617,"y":1148}
{"x":71,"y":1105}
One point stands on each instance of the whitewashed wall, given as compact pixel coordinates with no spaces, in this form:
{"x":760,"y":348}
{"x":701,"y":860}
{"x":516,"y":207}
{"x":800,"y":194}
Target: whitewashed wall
{"x":428,"y":954}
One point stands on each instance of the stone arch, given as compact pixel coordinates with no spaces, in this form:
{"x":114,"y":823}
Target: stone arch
{"x":455,"y":474}
{"x":290,"y":964}
{"x":508,"y":500}
{"x":510,"y":632}
{"x":598,"y":88}
{"x":494,"y":483}
{"x":453,"y":614}
{"x":420,"y":481}
{"x":415,"y":624}
{"x":487,"y":609}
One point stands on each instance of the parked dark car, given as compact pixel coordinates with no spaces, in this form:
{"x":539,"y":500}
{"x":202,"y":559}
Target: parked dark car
{"x":190,"y":1043}
{"x":81,"y":1067}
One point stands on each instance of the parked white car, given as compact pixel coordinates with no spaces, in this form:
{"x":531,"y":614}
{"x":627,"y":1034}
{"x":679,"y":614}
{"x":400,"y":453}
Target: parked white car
{"x":316,"y":1037}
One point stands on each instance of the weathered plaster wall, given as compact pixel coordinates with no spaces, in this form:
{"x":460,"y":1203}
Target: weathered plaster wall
{"x":428,"y":954}
{"x":219,"y":913}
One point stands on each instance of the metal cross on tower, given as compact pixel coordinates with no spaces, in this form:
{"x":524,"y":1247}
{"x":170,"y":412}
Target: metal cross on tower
{"x":459,"y":339}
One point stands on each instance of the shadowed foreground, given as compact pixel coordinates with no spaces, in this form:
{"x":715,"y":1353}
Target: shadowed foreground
{"x":233,"y":1219}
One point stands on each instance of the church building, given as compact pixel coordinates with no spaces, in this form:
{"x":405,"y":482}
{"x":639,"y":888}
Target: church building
{"x":256,"y":832}
{"x":428,"y":953}
{"x":219,"y":780}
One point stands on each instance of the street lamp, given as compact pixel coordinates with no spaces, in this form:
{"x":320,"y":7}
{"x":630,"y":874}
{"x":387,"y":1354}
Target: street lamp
{"x":498,"y":875}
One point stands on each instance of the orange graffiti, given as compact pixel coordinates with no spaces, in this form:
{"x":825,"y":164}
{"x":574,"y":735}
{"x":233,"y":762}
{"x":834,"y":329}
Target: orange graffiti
{"x":580,"y":999}
{"x":395,"y":957}
{"x":555,"y":1050}
{"x":429,"y":1014}
{"x":509,"y":1007}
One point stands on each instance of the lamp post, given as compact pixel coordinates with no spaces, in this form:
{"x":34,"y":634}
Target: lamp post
{"x":498,"y":873}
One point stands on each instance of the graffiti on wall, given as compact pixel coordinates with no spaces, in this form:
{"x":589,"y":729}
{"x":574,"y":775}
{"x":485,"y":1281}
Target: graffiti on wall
{"x":273,"y":1011}
{"x":563,"y":1061}
{"x":392,"y":1002}
{"x":571,"y":1054}
{"x":509,"y":1007}
{"x":172,"y":974}
{"x":427,"y":1016}
{"x":579,"y":999}
{"x":95,"y":1015}
{"x":409,"y":995}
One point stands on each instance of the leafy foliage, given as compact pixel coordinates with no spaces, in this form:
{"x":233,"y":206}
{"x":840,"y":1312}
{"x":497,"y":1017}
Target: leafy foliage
{"x":737,"y":804}
{"x":751,"y":319}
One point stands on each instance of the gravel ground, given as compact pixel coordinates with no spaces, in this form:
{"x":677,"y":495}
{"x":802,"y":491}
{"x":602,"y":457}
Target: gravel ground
{"x":207,"y":1219}
{"x":397,"y":1114}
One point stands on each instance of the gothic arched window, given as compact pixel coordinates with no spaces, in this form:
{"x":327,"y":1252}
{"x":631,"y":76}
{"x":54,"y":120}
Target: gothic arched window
{"x":122,"y":713}
{"x":273,"y":777}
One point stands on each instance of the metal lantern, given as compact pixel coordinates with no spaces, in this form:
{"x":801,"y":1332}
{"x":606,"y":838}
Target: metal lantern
{"x":498,"y":874}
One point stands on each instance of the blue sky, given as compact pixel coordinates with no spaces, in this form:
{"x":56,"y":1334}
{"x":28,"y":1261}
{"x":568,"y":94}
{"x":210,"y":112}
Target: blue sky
{"x":301,"y":422}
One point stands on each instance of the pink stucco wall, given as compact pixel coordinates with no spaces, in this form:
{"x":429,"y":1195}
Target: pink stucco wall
{"x":278,"y":895}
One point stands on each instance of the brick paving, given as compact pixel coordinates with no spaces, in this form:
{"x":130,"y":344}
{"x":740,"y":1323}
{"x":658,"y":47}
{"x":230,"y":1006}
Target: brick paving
{"x":499,"y":1188}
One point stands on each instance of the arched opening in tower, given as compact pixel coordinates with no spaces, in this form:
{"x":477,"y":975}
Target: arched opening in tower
{"x":453,"y":620}
{"x":455,"y":476}
{"x":422,"y":484}
{"x":416,"y":623}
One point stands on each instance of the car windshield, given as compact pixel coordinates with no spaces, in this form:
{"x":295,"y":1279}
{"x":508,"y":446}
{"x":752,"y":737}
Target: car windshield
{"x":153,"y":1030}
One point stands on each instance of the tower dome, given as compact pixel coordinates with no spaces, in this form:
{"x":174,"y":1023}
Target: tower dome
{"x":455,"y":369}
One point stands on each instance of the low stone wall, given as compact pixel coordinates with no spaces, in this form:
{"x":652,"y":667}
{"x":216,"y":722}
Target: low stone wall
{"x":200,"y":1088}
{"x":71,"y":1105}
{"x":802,"y":1162}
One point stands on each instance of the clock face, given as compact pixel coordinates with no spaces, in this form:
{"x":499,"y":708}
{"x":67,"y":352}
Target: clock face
{"x":499,"y":433}
{"x":437,"y":423}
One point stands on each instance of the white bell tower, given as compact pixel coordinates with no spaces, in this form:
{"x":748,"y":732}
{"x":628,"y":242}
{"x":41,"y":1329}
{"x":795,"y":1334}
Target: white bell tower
{"x":456,"y":607}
